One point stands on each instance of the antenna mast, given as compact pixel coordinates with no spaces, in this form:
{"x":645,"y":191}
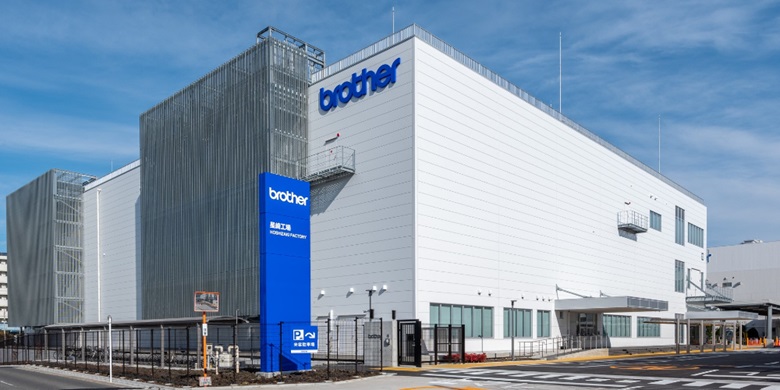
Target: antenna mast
{"x":659,"y":143}
{"x":393,"y":19}
{"x":560,"y":72}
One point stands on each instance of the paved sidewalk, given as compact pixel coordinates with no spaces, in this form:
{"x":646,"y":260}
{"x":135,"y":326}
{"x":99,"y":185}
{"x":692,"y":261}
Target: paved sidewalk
{"x":387,"y":381}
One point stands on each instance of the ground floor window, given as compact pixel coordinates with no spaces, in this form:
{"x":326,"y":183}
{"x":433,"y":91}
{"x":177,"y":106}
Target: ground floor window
{"x":478,"y":320}
{"x":542,"y":323}
{"x":521,"y":323}
{"x":617,"y":326}
{"x":645,"y":329}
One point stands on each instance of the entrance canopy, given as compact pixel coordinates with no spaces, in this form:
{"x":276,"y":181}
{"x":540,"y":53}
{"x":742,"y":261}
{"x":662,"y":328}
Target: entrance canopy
{"x":760,"y":308}
{"x":611,"y":304}
{"x":724,"y":315}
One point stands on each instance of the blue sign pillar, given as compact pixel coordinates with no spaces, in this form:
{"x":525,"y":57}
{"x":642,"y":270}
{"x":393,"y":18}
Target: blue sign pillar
{"x":285,"y":270}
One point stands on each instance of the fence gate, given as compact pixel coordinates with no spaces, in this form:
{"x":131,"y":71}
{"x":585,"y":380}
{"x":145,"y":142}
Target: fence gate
{"x":449,"y":343}
{"x":409,"y":343}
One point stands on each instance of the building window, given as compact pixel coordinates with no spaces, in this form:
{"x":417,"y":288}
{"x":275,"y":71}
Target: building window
{"x":522,"y":323}
{"x":617,"y":326}
{"x":542,"y":323}
{"x":695,"y":235}
{"x":679,"y":276}
{"x":655,"y":220}
{"x":477,"y":320}
{"x":679,"y":225}
{"x":645,"y":329}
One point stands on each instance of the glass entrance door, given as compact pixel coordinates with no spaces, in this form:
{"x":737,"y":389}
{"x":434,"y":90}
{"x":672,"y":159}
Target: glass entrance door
{"x":586,"y":324}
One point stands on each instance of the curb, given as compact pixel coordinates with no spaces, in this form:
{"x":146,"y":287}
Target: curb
{"x":94,"y":377}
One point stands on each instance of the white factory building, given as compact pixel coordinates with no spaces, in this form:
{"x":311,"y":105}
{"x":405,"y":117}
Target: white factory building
{"x":442,"y":192}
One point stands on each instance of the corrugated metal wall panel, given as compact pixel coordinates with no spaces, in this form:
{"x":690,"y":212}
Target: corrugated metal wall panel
{"x":201,"y":153}
{"x":45,"y":237}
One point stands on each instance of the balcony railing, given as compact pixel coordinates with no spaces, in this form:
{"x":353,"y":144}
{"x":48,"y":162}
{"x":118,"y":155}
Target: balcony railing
{"x":632,"y":221}
{"x":713,"y":294}
{"x":330,"y":164}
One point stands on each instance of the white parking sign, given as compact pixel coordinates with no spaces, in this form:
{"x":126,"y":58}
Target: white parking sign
{"x":304,"y":339}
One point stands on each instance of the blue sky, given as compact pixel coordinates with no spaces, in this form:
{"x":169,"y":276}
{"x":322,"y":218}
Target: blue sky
{"x":76,"y":75}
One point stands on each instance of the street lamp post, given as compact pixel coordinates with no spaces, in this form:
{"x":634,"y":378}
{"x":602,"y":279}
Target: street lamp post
{"x":512,"y":326}
{"x":110,"y":354}
{"x":370,"y":308}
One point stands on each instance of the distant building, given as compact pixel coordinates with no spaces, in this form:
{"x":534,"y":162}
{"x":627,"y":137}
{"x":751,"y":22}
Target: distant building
{"x":45,"y":238}
{"x":751,"y":271}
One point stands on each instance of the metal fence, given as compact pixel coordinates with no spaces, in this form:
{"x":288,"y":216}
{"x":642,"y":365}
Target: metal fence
{"x":344,"y":344}
{"x":444,"y":343}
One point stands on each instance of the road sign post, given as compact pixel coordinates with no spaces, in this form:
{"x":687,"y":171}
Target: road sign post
{"x":206,"y":301}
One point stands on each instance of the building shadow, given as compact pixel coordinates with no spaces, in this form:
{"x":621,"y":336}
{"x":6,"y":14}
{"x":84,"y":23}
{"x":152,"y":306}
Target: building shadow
{"x":323,"y":194}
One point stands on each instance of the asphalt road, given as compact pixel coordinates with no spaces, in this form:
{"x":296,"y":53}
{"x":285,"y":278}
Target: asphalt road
{"x":749,"y":370}
{"x":19,"y":378}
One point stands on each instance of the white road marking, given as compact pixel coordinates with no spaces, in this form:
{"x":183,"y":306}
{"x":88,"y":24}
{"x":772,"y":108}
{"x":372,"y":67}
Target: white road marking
{"x":735,"y":386}
{"x":664,"y":382}
{"x":6,"y":383}
{"x":547,"y":382}
{"x":522,"y":375}
{"x":703,"y":372}
{"x":697,"y":384}
{"x":576,"y":377}
{"x":550,"y":376}
{"x":735,"y":376}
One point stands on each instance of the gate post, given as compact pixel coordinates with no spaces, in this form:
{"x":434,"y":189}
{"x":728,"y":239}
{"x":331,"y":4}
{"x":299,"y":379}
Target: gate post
{"x":462,"y":343}
{"x":84,"y":348}
{"x":418,"y":343}
{"x":449,"y":341}
{"x":381,"y":345}
{"x":356,"y":345}
{"x":132,"y":357}
{"x":435,"y":344}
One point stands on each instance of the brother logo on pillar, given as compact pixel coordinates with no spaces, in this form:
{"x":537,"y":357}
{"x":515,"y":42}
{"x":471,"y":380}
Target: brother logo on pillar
{"x":287,"y":196}
{"x":358,"y":86}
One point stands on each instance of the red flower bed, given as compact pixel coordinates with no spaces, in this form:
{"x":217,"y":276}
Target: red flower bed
{"x":468,"y":358}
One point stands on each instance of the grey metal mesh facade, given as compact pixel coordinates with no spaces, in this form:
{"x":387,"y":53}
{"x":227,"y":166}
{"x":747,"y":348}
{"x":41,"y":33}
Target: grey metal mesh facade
{"x":45,"y":224}
{"x":201,"y":152}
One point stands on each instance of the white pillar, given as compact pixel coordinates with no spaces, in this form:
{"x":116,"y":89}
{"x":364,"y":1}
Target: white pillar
{"x":769,"y":340}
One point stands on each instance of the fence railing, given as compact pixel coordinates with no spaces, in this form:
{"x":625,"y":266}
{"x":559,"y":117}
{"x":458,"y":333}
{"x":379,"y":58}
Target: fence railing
{"x":554,"y":346}
{"x":443,"y":343}
{"x":348,"y":343}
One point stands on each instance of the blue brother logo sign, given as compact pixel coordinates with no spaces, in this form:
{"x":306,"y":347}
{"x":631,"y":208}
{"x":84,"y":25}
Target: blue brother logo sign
{"x":357,"y":87}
